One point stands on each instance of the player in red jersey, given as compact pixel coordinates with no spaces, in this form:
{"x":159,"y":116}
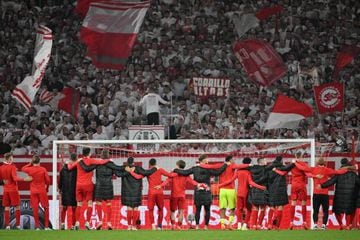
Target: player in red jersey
{"x":321,"y":174}
{"x":84,"y":186}
{"x":177,"y":197}
{"x":11,"y":197}
{"x":244,"y":182}
{"x":155,"y":195}
{"x":227,"y":195}
{"x":38,"y":189}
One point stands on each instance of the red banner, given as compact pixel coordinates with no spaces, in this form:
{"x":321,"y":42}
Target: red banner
{"x":329,"y":97}
{"x":210,"y":87}
{"x":260,"y":61}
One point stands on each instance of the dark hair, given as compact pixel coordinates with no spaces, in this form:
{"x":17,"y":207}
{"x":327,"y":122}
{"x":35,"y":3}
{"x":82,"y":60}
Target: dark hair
{"x":86,"y":151}
{"x":152,"y":162}
{"x":130,"y":161}
{"x":105,"y":154}
{"x":181,"y":164}
{"x":73,"y":156}
{"x":8,"y":155}
{"x":344,"y":161}
{"x":228,"y":158}
{"x":278,"y":158}
{"x":202,"y":157}
{"x":35,"y":159}
{"x":247,"y":160}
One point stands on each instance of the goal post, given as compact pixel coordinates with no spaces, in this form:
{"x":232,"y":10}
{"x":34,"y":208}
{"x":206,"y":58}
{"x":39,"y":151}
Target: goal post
{"x":277,"y":146}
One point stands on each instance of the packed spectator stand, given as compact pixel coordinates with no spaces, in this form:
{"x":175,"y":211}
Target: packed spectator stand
{"x":178,"y":40}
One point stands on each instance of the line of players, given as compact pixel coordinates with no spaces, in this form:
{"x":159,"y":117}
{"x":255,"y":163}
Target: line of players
{"x":259,"y":186}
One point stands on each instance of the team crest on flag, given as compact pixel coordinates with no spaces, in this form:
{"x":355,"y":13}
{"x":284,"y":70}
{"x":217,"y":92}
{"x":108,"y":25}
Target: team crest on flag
{"x":329,"y":97}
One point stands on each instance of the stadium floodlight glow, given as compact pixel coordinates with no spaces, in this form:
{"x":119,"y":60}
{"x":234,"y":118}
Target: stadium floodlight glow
{"x":61,"y":149}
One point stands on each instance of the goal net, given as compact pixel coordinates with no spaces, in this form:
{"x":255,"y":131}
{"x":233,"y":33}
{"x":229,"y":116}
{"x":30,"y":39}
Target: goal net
{"x":167,"y":152}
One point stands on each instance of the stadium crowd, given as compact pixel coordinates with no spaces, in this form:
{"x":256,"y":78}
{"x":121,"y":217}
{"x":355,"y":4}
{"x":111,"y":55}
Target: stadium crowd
{"x":178,"y":40}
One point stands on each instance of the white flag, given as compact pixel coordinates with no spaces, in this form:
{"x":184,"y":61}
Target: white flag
{"x":245,"y":23}
{"x":25,"y":92}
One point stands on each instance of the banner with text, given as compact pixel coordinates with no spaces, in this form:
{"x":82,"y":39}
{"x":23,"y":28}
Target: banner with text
{"x":210,"y":87}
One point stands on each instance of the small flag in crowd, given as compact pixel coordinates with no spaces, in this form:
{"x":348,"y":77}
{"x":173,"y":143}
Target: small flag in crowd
{"x":260,"y":61}
{"x":249,"y":20}
{"x":25,"y":92}
{"x":287,"y":113}
{"x":110,"y":29}
{"x":67,"y":100}
{"x":329,"y":97}
{"x":343,"y":58}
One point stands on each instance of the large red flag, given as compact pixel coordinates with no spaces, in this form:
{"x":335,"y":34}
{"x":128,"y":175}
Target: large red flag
{"x":260,"y":61}
{"x":329,"y":97}
{"x":109,"y":31}
{"x":287,"y":113}
{"x":67,"y":100}
{"x":344,"y":57}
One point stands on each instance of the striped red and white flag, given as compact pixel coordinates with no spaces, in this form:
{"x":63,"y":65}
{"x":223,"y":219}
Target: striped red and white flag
{"x":25,"y":92}
{"x":287,"y":113}
{"x":46,"y":96}
{"x":110,"y":29}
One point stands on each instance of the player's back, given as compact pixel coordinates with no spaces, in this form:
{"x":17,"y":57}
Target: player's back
{"x":155,"y":180}
{"x":178,"y":186}
{"x":298,"y":177}
{"x":243,"y":182}
{"x":226,"y":176}
{"x":40,"y":178}
{"x":6,"y":173}
{"x":83,"y":177}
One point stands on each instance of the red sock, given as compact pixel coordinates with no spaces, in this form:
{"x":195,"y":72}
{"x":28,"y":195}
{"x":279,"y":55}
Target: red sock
{"x":7,"y":218}
{"x":349,"y":219}
{"x":248,"y":213}
{"x":304,"y":213}
{"x":179,"y":223}
{"x":108,"y":213}
{"x":253,"y":218}
{"x":36,"y":215}
{"x":98,"y":208}
{"x":160,"y":217}
{"x":136,"y":215}
{"x":339,"y":218}
{"x":261,"y":217}
{"x":46,"y":217}
{"x":151,"y":216}
{"x":73,"y":215}
{"x":63,"y":214}
{"x":78,"y":213}
{"x":240,"y":216}
{"x":358,"y":217}
{"x":172,"y":222}
{"x":129,"y":216}
{"x":88,"y":213}
{"x":17,"y":216}
{"x":292,"y":213}
{"x":279,"y":218}
{"x":270,"y":216}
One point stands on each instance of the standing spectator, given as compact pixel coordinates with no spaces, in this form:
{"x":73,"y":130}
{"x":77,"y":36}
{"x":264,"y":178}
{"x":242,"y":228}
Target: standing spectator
{"x":152,"y":108}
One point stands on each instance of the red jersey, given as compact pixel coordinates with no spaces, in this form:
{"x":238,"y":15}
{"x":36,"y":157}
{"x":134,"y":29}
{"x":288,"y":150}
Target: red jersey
{"x":325,"y":172}
{"x":85,"y":178}
{"x":178,"y":185}
{"x":8,"y":173}
{"x":298,"y":177}
{"x":228,"y":175}
{"x":244,"y":181}
{"x":155,"y":180}
{"x":40,"y":178}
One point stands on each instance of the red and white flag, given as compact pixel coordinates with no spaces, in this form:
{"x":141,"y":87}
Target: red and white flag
{"x":329,"y":97}
{"x":25,"y":92}
{"x":248,"y":21}
{"x":110,"y":29}
{"x":67,"y":100}
{"x":344,"y":57}
{"x":260,"y":61}
{"x":287,"y":113}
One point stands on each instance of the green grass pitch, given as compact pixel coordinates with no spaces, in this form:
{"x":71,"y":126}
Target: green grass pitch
{"x":180,"y":235}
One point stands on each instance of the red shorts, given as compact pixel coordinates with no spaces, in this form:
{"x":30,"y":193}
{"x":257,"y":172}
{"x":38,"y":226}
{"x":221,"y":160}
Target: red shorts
{"x":177,"y":203}
{"x":156,"y":199}
{"x":11,"y":199}
{"x":84,"y":193}
{"x":242,"y":203}
{"x":298,"y":193}
{"x":36,"y":198}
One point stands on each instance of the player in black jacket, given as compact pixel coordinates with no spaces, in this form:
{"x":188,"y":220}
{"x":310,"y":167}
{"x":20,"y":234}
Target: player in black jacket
{"x":67,"y":186}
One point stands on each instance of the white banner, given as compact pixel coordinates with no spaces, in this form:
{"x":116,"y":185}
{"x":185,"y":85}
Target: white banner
{"x":25,"y":92}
